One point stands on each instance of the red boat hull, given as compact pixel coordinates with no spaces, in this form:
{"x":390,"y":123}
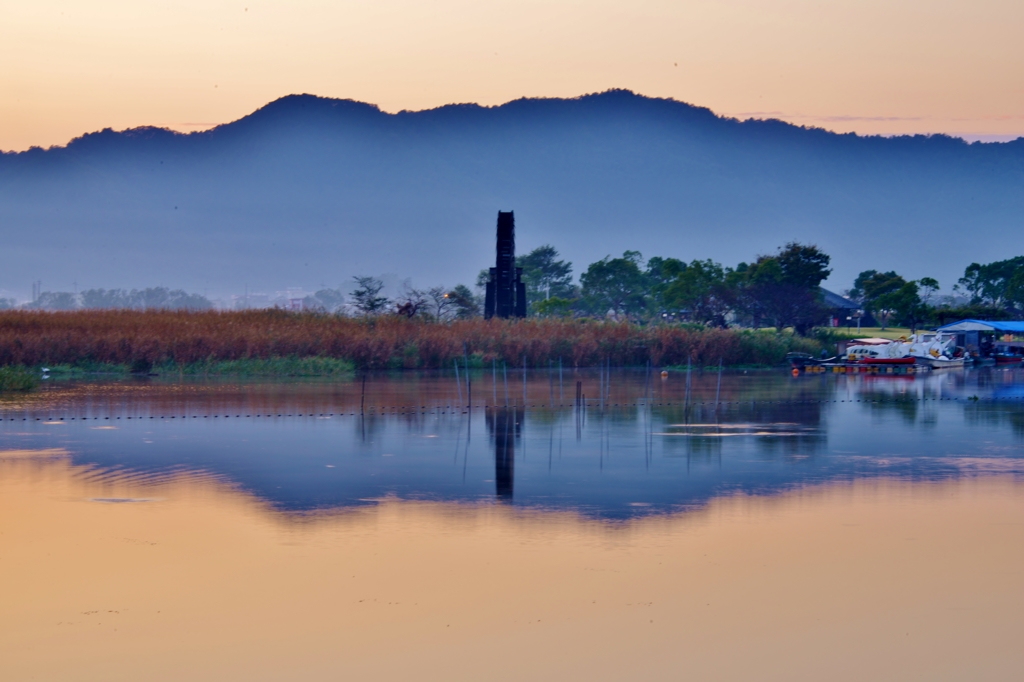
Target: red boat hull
{"x":887,"y":361}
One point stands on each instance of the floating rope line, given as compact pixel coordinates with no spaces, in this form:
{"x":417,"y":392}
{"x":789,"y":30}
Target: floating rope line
{"x":396,"y":410}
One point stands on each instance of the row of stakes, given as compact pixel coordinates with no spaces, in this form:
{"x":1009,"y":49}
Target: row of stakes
{"x":581,"y":401}
{"x":464,"y":409}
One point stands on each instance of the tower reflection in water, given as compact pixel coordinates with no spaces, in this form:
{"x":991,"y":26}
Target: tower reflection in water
{"x":505,"y":428}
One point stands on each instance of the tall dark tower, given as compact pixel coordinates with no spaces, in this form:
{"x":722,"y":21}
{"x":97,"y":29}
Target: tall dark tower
{"x":506,"y":292}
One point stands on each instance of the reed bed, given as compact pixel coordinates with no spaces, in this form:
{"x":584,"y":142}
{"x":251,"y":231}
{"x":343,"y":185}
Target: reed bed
{"x":16,"y":379}
{"x":142,"y":340}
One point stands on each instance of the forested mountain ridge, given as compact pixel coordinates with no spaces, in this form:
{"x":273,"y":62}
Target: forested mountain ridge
{"x":309,"y":191}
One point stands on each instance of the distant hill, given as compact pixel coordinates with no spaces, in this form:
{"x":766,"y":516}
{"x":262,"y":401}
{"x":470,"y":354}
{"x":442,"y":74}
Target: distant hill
{"x":309,"y":191}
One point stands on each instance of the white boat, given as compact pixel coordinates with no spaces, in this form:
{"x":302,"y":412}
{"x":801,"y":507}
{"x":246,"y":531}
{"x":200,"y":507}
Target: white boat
{"x":936,"y":350}
{"x":942,"y":362}
{"x":929,"y":349}
{"x":879,"y":352}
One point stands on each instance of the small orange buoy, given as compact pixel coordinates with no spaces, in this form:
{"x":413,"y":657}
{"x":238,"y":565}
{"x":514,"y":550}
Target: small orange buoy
{"x":664,"y":374}
{"x":796,"y":372}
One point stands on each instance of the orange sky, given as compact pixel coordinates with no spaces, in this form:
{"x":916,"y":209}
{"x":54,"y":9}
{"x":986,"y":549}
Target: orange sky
{"x":871,"y":66}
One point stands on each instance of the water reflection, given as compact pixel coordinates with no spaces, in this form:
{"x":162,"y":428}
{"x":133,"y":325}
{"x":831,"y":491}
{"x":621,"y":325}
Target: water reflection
{"x":309,"y":446}
{"x":277,"y":531}
{"x":505,"y":426}
{"x":192,"y":580}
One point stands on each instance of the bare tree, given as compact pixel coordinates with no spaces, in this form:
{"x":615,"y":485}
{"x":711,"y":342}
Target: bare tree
{"x":442,"y":304}
{"x":410,"y":301}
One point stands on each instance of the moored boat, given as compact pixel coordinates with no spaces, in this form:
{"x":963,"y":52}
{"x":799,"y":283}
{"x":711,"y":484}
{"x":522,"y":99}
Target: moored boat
{"x":803,"y":360}
{"x":909,"y":360}
{"x":879,"y":352}
{"x":927,"y":349}
{"x":1008,"y":352}
{"x":942,"y":362}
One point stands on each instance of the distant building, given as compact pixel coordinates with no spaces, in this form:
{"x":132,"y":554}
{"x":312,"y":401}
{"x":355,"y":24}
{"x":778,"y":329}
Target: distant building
{"x":844,"y":312}
{"x":250,"y":300}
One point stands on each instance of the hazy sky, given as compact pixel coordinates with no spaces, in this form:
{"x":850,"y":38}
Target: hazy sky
{"x":872,"y":66}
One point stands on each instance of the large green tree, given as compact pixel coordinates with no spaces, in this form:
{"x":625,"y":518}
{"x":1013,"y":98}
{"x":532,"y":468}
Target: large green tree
{"x":903,"y":305}
{"x":784,"y":288}
{"x":615,"y":284}
{"x":990,"y":284}
{"x":1015,"y":291}
{"x":660,"y":274}
{"x":545,"y":275}
{"x":703,"y":290}
{"x":890,"y":297}
{"x":872,"y":284}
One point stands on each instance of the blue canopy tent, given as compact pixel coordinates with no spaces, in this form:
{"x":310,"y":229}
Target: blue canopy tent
{"x":984,"y":326}
{"x":978,"y":336}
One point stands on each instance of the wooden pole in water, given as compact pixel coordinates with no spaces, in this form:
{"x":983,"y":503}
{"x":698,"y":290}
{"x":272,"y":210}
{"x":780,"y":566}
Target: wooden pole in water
{"x":524,"y":381}
{"x":718,"y":391}
{"x":689,"y":360}
{"x":458,"y":381}
{"x":469,"y":393}
{"x":504,"y":370}
{"x":494,"y":380}
{"x":608,"y":380}
{"x":551,"y":383}
{"x":604,"y":386}
{"x":561,"y":397}
{"x":362,"y":398}
{"x":647,"y":378}
{"x":465,"y":353}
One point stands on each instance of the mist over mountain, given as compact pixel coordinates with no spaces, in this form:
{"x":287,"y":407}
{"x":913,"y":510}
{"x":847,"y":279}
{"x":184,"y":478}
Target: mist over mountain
{"x":310,"y":191}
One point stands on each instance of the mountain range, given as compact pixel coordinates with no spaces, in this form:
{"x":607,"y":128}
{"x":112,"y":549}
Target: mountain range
{"x":309,"y":191}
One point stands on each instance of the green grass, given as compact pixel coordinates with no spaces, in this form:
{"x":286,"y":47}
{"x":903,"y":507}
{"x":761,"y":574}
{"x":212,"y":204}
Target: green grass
{"x":270,"y":367}
{"x":84,"y":369}
{"x":877,"y":332}
{"x":714,"y":368}
{"x":17,"y":379}
{"x":249,"y":367}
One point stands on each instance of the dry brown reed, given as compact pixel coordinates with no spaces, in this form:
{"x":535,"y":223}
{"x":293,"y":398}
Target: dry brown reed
{"x":126,"y":337}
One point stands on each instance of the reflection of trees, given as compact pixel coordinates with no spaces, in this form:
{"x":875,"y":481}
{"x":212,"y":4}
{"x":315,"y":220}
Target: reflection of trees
{"x":543,"y":416}
{"x":792,"y":429}
{"x":996,"y":414}
{"x":504,"y":426}
{"x":406,"y":394}
{"x":880,"y":402}
{"x":755,"y":386}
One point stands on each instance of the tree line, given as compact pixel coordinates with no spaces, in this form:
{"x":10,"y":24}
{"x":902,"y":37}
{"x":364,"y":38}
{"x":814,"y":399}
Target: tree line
{"x":151,"y":298}
{"x":779,"y":290}
{"x":993,"y":291}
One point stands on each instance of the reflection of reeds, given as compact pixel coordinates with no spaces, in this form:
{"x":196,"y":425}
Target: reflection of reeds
{"x":145,"y":338}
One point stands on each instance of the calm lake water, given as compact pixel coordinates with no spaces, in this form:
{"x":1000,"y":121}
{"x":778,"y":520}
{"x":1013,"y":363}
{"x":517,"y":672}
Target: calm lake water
{"x":749,"y":526}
